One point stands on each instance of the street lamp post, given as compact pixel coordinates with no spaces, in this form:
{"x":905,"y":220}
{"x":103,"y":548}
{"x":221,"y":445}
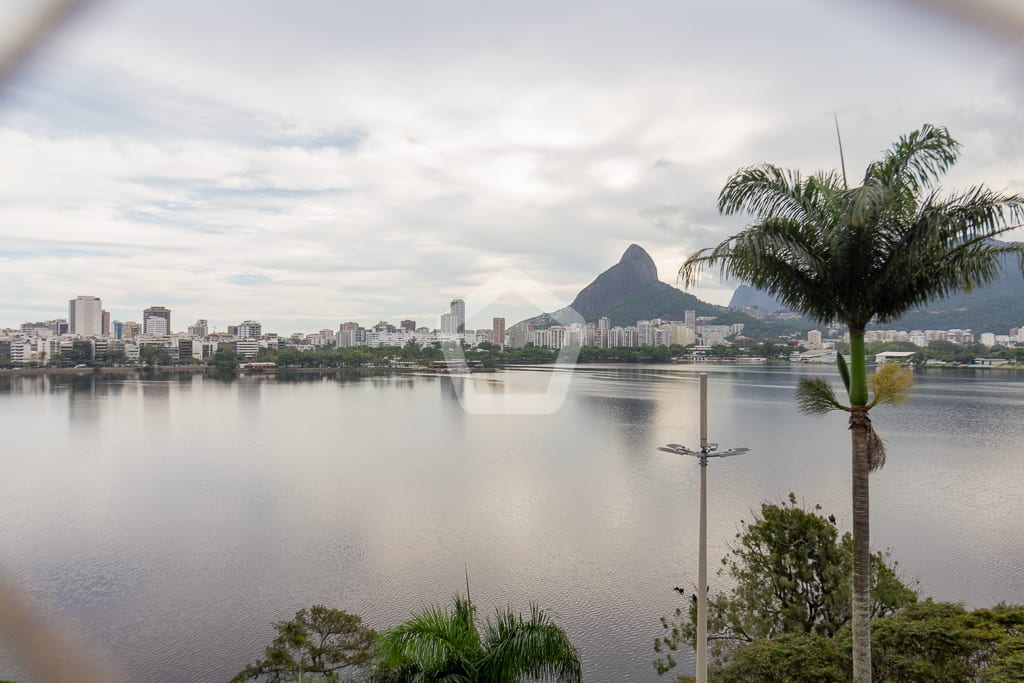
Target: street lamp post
{"x":707,"y":450}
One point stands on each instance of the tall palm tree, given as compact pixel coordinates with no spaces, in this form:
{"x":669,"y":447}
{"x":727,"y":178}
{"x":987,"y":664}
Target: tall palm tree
{"x":446,"y":645}
{"x":859,"y":254}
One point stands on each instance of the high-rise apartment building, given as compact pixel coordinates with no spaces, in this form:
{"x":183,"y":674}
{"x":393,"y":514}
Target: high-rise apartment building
{"x":630,"y":337}
{"x":105,"y":324}
{"x":131,"y":330}
{"x":200,"y":329}
{"x":156,"y":326}
{"x":85,"y":315}
{"x":602,"y":339}
{"x":156,"y":312}
{"x":457,"y":307}
{"x":347,"y":334}
{"x":615,"y":337}
{"x":645,"y":332}
{"x":518,"y":334}
{"x":498,"y":332}
{"x":683,"y":334}
{"x":447,"y":323}
{"x":409,"y":325}
{"x":250,"y":329}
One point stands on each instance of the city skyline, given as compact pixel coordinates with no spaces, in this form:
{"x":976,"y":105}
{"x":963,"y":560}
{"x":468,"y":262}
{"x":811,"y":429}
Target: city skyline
{"x":456,"y":309}
{"x":99,"y":323}
{"x":405,"y":166}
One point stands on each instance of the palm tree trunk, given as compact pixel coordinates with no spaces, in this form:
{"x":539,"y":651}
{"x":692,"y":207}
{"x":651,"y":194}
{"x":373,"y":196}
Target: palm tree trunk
{"x":861,"y":468}
{"x":861,"y":613}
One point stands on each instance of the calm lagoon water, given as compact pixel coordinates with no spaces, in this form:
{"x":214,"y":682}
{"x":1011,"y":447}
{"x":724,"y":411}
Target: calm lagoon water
{"x":171,"y":521}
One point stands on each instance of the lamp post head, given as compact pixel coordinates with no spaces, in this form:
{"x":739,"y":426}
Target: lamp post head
{"x":677,"y":449}
{"x":709,"y":450}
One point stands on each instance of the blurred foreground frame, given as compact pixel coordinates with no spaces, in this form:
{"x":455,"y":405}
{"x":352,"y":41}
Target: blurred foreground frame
{"x":48,"y":649}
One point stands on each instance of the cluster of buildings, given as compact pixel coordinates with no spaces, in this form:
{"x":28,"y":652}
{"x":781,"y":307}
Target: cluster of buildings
{"x":690,"y":330}
{"x":452,"y":330}
{"x":925,"y":337}
{"x":88,"y":333}
{"x":921,"y":338}
{"x":657,"y":332}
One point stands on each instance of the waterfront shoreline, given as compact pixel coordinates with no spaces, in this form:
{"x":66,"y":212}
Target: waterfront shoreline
{"x":205,"y":369}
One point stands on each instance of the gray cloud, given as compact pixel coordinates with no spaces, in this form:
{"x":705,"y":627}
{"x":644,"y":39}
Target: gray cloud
{"x":235,"y":160}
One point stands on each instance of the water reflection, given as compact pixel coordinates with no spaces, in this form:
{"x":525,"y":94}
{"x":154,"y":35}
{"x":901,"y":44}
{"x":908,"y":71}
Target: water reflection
{"x":156,"y":392}
{"x":83,"y":407}
{"x":249,"y":388}
{"x":210,"y":508}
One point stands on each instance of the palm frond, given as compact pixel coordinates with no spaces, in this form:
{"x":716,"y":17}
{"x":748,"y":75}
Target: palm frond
{"x":917,"y":159}
{"x":778,"y":255}
{"x":535,"y":649}
{"x":935,"y":273}
{"x":763,"y":190}
{"x":876,"y":449}
{"x":975,"y":212}
{"x":890,"y":385}
{"x":814,"y":396}
{"x":434,"y":639}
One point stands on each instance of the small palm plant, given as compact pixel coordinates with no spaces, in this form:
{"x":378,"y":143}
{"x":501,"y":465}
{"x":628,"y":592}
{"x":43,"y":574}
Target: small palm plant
{"x":446,"y":644}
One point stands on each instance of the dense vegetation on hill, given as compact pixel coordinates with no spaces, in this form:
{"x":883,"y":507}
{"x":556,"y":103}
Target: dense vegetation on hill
{"x":996,"y":308}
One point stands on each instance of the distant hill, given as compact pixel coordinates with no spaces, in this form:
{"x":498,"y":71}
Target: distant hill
{"x":995,"y":308}
{"x":746,"y":296}
{"x":630,"y":291}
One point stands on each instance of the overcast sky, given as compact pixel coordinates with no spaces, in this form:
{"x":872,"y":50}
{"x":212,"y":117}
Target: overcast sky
{"x":309,"y":163}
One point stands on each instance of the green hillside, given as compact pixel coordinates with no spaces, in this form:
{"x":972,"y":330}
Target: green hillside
{"x":996,"y":308}
{"x":657,"y":300}
{"x":660,"y":300}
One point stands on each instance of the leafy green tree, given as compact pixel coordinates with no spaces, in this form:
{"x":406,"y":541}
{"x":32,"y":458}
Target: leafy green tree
{"x":926,"y":642}
{"x":792,"y":658}
{"x":447,"y":644}
{"x":320,"y":641}
{"x":224,"y":360}
{"x":266,"y":355}
{"x":790,"y":574}
{"x":944,"y":643}
{"x":858,"y":254}
{"x":411,"y":350}
{"x":152,"y":355}
{"x":113,"y":357}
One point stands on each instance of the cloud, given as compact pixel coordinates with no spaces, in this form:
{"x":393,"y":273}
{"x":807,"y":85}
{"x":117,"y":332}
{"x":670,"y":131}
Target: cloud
{"x":241,"y":160}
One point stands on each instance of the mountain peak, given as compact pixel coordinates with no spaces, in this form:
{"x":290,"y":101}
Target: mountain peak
{"x":635,"y":251}
{"x":629,"y":291}
{"x":634,"y":271}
